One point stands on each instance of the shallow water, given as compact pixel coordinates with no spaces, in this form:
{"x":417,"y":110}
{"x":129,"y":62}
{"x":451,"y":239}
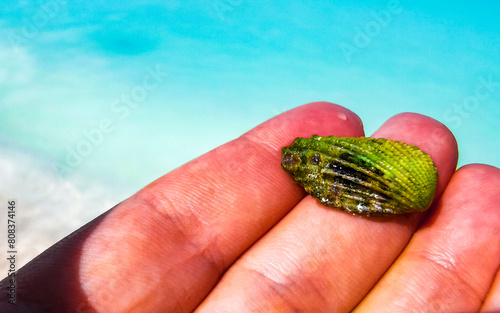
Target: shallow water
{"x":95,"y":106}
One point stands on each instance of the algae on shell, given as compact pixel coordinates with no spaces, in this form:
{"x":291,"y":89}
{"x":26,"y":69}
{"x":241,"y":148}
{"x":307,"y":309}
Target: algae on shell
{"x":362,"y":175}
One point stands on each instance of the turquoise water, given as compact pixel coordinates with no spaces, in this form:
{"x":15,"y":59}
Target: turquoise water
{"x":140,"y":89}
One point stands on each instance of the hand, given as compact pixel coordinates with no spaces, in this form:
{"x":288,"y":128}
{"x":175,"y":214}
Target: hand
{"x":231,"y":232}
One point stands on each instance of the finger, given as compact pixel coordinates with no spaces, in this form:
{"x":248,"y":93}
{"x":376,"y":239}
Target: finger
{"x":451,"y":261}
{"x":164,"y":248}
{"x":322,"y":260}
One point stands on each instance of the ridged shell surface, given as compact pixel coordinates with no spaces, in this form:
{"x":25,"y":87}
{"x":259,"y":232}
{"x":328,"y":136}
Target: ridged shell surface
{"x":362,"y":175}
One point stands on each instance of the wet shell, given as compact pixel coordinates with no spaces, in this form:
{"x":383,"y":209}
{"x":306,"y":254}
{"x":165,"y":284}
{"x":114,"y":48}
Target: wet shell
{"x":362,"y":175}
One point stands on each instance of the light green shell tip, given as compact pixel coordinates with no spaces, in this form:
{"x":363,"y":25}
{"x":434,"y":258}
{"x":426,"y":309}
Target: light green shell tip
{"x":362,"y":175}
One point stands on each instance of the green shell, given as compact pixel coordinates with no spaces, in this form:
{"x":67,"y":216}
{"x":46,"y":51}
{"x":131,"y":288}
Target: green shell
{"x":362,"y":175}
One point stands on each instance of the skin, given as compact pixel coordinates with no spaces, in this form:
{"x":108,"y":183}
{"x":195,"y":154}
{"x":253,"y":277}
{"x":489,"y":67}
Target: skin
{"x":231,"y":232}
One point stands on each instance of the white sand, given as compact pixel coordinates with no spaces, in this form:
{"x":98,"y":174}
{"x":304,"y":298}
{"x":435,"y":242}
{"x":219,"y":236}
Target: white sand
{"x":48,"y":207}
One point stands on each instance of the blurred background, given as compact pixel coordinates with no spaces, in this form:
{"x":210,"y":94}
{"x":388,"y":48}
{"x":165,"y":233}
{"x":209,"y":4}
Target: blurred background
{"x":98,"y":99}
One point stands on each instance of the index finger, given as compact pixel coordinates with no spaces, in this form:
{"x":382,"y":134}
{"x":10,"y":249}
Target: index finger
{"x":166,"y":247}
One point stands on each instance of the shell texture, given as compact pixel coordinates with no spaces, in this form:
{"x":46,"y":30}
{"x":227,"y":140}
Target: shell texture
{"x":362,"y":175}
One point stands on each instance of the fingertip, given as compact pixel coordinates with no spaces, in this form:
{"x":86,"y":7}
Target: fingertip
{"x":483,"y":176}
{"x":315,"y":118}
{"x":473,"y":194}
{"x":335,"y":112}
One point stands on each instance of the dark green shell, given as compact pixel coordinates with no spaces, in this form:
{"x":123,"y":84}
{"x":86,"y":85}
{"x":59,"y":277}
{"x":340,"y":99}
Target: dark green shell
{"x":362,"y":175}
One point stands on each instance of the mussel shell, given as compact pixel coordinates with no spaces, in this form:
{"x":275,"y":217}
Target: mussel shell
{"x":362,"y":175}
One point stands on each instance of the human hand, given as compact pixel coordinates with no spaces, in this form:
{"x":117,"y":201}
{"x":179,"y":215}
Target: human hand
{"x":231,"y":232}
